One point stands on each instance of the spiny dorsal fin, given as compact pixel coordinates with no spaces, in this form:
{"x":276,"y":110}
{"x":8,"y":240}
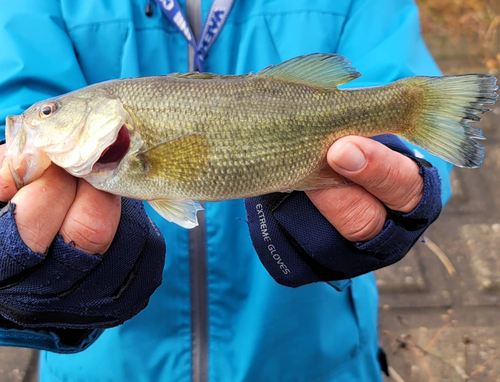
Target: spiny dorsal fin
{"x":181,"y":159}
{"x":318,"y":69}
{"x":200,"y":76}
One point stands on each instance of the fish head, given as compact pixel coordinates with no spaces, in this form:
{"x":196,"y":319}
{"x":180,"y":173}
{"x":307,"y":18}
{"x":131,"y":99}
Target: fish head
{"x":73,"y":131}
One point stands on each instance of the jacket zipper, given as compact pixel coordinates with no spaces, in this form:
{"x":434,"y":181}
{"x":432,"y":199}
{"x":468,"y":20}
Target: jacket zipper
{"x":198,"y":252}
{"x":198,"y":286}
{"x":193,"y":15}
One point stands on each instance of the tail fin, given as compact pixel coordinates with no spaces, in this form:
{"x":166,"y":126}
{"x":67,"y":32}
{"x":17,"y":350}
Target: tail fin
{"x":448,"y":104}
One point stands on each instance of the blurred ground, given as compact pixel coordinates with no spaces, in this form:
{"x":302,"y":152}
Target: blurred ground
{"x":18,"y":365}
{"x":440,"y":321}
{"x":440,"y":326}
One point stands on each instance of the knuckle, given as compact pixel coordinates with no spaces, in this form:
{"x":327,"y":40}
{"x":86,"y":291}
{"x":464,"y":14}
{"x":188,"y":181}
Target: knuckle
{"x":398,"y":184}
{"x":59,"y":187}
{"x":35,"y":236}
{"x":7,"y":186}
{"x":386,"y":179}
{"x":363,"y":222}
{"x":410,"y":196}
{"x":95,"y":238}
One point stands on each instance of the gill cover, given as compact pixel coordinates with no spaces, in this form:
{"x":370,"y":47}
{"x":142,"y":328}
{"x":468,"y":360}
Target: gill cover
{"x":104,"y":116}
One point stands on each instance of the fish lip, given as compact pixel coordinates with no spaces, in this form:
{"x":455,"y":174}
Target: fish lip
{"x":10,"y":125}
{"x":26,"y":163}
{"x":13,"y":123}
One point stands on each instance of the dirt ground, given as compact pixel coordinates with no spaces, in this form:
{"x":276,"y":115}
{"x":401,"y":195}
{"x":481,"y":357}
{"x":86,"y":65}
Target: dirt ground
{"x":440,"y":306}
{"x":440,"y":321}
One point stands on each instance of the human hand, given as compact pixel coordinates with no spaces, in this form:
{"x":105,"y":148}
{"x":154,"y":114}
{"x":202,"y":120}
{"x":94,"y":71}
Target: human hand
{"x":66,"y":247}
{"x":380,"y":175}
{"x":59,"y":203}
{"x":340,"y":233}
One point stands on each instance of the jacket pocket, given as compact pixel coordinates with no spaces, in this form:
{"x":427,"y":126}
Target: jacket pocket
{"x":99,"y":49}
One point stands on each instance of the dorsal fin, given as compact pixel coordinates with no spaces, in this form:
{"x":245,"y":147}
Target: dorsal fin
{"x":318,"y":69}
{"x":196,"y":75}
{"x":201,"y":75}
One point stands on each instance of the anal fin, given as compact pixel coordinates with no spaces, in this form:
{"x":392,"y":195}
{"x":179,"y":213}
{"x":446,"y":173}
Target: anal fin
{"x":182,"y":213}
{"x":325,"y":177}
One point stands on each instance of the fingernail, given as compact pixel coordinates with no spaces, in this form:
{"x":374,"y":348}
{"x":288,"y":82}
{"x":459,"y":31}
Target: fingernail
{"x":349,"y":157}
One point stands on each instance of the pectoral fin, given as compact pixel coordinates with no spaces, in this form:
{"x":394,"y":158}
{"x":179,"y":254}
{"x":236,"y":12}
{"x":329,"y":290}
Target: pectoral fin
{"x":182,"y":213}
{"x":181,"y":159}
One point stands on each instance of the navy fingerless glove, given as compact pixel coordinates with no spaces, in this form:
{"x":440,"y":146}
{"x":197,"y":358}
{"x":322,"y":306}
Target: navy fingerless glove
{"x":297,"y":245}
{"x":65,"y":294}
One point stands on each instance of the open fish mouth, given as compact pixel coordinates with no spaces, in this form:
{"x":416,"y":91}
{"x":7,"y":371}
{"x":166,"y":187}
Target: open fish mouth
{"x":113,"y":154}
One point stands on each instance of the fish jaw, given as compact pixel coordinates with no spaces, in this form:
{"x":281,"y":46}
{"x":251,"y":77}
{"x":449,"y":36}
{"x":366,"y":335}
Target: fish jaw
{"x":26,"y":162}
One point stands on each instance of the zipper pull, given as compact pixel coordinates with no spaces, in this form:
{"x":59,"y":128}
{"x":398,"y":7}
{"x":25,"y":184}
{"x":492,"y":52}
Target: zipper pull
{"x":149,"y":9}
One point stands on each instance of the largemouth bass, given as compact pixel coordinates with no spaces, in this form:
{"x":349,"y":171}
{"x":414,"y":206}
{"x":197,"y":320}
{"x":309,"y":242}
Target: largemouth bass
{"x":177,"y":139}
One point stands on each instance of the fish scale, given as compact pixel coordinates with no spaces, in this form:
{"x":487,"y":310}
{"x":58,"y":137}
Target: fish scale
{"x":264,"y":135}
{"x":200,"y":136}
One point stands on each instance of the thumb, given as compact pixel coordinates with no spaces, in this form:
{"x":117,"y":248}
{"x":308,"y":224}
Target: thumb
{"x":388,"y":175}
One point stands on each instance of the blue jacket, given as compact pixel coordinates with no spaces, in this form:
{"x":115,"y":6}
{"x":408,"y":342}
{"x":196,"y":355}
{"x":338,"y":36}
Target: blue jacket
{"x":254,"y":328}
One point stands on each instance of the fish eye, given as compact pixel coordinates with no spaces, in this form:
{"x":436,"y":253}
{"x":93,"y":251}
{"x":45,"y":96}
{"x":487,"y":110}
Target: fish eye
{"x":46,"y":110}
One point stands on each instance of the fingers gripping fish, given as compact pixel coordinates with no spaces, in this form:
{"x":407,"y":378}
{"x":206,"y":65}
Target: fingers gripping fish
{"x":177,"y":139}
